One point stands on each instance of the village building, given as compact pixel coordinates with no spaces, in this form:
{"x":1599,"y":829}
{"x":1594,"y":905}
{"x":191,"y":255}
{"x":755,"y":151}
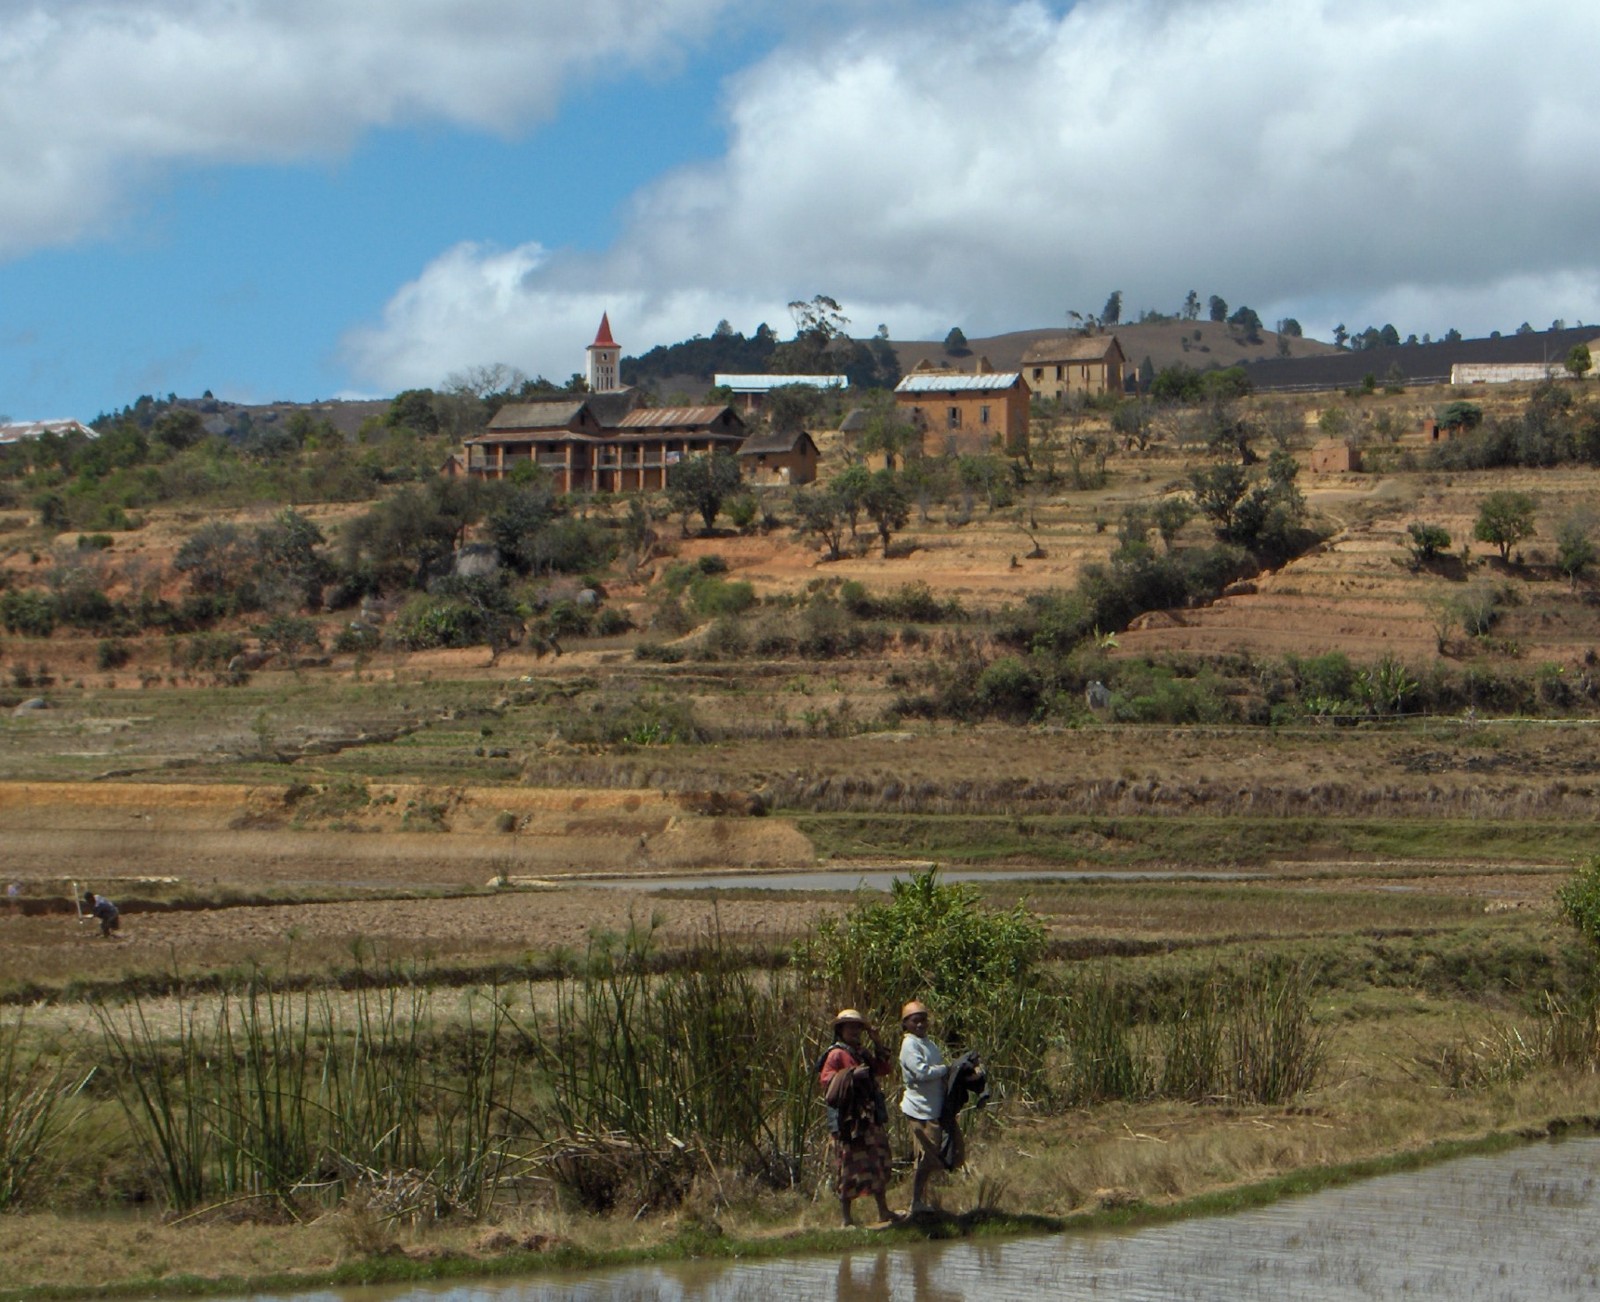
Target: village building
{"x":750,"y":392}
{"x":21,"y":431}
{"x":779,"y":459}
{"x":965,"y":413}
{"x":1074,"y":365}
{"x":1335,"y":456}
{"x":600,"y":442}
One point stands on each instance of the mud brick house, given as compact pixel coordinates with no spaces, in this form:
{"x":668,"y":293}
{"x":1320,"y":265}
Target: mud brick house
{"x":1069,"y":365}
{"x":965,"y":413}
{"x":779,"y":458}
{"x":1334,"y":457}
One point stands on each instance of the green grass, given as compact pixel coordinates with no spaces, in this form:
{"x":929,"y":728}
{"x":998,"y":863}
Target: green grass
{"x":1097,"y":842}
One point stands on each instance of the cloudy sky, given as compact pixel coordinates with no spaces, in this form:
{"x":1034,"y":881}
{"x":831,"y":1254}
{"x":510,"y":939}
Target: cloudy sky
{"x":305,"y":198}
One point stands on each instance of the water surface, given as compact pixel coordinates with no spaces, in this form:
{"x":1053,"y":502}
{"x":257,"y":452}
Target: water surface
{"x":1518,"y":1225}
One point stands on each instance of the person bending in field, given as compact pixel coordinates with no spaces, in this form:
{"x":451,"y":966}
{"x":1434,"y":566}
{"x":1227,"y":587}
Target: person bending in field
{"x":105,"y":912}
{"x":848,"y":1074}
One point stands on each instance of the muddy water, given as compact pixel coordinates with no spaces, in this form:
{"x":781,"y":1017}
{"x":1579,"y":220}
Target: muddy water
{"x":879,"y":880}
{"x":1519,"y":1225}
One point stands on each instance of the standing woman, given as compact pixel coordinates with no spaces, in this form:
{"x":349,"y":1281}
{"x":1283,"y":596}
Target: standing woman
{"x":857,"y":1114}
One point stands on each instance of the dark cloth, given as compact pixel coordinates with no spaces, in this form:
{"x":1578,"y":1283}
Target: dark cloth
{"x":936,"y":1144}
{"x":968,"y":1080}
{"x":856,"y":1116}
{"x":107,"y":913}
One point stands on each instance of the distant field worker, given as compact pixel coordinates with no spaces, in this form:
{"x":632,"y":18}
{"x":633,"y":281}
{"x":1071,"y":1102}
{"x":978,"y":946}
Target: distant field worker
{"x":104,"y":910}
{"x":857,"y":1114}
{"x":937,"y":1142}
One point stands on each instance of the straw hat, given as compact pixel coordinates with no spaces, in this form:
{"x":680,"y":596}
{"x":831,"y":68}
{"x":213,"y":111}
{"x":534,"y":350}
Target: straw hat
{"x":848,"y":1015}
{"x":912,"y":1009}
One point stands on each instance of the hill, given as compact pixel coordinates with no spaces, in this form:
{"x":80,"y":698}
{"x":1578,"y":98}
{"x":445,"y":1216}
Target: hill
{"x":1200,"y":345}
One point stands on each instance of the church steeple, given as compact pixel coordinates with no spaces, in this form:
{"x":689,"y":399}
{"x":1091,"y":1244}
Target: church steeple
{"x":604,"y":357}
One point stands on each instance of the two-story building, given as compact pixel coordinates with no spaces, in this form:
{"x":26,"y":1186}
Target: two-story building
{"x":963,"y":413}
{"x":1070,"y":365}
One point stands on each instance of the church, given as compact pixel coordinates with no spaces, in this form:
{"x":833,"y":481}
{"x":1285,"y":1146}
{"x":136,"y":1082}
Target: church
{"x":604,"y":441}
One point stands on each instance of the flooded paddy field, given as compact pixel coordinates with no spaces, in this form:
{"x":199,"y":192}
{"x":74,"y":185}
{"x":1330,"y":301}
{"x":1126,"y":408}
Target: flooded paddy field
{"x":1516,"y":1225}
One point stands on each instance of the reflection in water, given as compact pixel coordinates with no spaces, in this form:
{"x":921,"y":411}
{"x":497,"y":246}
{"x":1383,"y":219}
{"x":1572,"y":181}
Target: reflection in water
{"x":1517,"y":1225}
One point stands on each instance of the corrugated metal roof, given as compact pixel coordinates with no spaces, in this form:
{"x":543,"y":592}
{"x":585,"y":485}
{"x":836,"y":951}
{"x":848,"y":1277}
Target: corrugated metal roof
{"x":535,"y":415}
{"x":1070,"y":348}
{"x":766,"y":444}
{"x":658,"y":417}
{"x":16,"y":431}
{"x":949,"y":382}
{"x":766,"y":383}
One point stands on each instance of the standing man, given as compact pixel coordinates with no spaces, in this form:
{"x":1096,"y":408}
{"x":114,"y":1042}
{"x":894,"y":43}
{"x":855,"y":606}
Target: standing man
{"x":104,"y":910}
{"x":926,"y":1074}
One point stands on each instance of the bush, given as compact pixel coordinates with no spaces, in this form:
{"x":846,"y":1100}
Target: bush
{"x":934,"y":942}
{"x":112,"y":653}
{"x":211,"y":651}
{"x":28,"y":612}
{"x":1010,"y":688}
{"x":1579,"y":900}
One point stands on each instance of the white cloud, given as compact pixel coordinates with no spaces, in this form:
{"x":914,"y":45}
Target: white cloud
{"x":99,"y":95}
{"x":993,"y":165}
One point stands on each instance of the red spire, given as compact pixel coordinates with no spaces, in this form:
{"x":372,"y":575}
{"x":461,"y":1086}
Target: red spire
{"x":603,"y":339}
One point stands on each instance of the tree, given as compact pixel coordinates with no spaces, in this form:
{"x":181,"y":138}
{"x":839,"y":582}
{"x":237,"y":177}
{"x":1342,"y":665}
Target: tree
{"x":218,"y":558}
{"x":1111,"y":313}
{"x":819,"y":511}
{"x":1191,"y":306}
{"x":1341,"y":336}
{"x":956,"y":342}
{"x":700,"y":484}
{"x":1247,"y":323}
{"x":1218,"y":307}
{"x":850,"y":487}
{"x":886,"y":430}
{"x":1575,"y":546}
{"x":1457,"y":417}
{"x":1428,"y":543}
{"x":1505,"y":518}
{"x":292,"y":570}
{"x":1578,"y":362}
{"x":1389,"y":337}
{"x":1452,"y":336}
{"x":886,"y":505}
{"x":1524,"y":329}
{"x":1289,"y":326}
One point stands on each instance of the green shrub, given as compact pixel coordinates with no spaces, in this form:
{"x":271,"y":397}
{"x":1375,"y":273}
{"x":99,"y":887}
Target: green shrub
{"x":112,"y":653}
{"x":1010,"y":688}
{"x":932,"y":941}
{"x":28,"y":612}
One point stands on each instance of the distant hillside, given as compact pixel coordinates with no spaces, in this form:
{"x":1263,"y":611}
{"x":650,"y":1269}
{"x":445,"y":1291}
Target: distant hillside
{"x":1197,"y":344}
{"x":1417,"y":364}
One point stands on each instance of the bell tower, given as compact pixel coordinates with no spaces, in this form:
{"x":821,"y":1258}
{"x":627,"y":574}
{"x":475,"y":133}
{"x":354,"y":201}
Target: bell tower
{"x":604,"y":355}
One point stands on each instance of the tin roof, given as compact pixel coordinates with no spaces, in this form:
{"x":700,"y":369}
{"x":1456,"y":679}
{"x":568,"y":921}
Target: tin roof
{"x":16,"y":431}
{"x":1071,"y":348}
{"x":535,"y":415}
{"x":660,"y":417}
{"x":957,"y":382}
{"x":767,"y":383}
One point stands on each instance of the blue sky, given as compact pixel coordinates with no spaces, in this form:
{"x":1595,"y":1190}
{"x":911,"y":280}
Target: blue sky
{"x":306,"y":198}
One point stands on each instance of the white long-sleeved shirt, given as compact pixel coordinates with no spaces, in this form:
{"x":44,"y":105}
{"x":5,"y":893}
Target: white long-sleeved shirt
{"x":923,"y":1068}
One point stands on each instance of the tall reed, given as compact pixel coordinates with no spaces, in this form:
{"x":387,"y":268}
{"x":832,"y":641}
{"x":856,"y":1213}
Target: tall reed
{"x":653,"y":1079}
{"x":278,"y":1096}
{"x":34,"y":1087}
